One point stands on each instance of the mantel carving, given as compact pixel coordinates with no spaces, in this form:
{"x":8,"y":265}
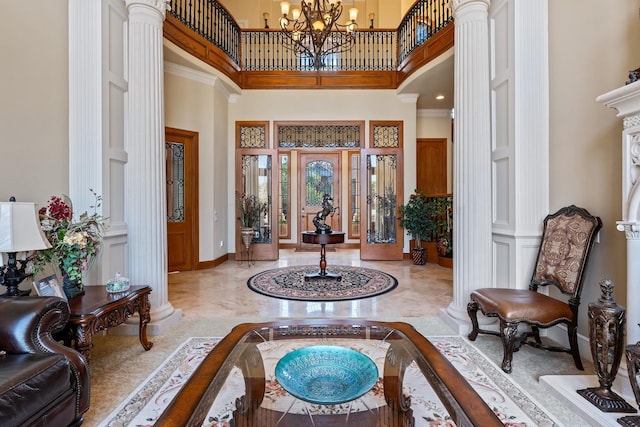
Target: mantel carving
{"x":631,"y":229}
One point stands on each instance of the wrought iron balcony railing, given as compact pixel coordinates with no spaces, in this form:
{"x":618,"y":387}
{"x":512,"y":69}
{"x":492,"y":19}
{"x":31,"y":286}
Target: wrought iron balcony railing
{"x":264,"y":50}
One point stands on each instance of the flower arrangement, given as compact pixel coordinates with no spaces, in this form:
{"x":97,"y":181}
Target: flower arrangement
{"x":250,"y":208}
{"x":74,"y":242}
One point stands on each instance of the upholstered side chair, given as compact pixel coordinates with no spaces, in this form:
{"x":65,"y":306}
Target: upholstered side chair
{"x":567,"y":239}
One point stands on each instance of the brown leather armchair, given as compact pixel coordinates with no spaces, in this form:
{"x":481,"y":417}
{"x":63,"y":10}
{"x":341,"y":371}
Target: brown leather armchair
{"x":566,"y":244}
{"x":42,"y":382}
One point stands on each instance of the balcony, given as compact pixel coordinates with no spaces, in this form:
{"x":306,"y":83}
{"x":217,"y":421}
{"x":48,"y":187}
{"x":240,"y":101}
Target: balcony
{"x":259,"y":59}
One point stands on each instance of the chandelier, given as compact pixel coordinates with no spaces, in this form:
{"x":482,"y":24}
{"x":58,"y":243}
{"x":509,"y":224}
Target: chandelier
{"x":314,"y":31}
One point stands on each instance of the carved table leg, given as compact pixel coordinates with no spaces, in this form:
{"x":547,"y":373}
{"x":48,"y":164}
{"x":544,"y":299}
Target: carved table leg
{"x":145,"y":317}
{"x":82,"y":337}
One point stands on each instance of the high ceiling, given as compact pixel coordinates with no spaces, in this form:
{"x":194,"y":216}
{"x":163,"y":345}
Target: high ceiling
{"x":436,"y":78}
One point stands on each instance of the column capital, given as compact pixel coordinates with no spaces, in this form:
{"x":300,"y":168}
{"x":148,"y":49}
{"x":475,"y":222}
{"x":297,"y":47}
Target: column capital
{"x":631,"y":229}
{"x":159,"y":5}
{"x":456,"y":5}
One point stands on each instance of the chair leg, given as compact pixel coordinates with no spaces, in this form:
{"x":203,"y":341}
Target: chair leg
{"x":573,"y":343}
{"x":536,"y":334}
{"x":472,"y":311}
{"x":508,"y":331}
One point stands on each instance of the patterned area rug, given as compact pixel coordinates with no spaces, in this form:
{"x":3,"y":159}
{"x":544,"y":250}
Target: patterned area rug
{"x":289,"y":283}
{"x":510,"y":403}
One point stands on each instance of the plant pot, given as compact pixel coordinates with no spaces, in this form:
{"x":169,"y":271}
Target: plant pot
{"x":246,"y":235}
{"x":419,"y":256}
{"x":444,"y":261}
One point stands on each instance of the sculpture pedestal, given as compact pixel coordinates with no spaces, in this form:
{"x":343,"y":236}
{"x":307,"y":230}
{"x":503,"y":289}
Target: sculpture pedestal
{"x":323,"y":239}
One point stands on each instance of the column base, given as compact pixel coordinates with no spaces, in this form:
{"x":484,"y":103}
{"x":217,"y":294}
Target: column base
{"x":458,"y":319}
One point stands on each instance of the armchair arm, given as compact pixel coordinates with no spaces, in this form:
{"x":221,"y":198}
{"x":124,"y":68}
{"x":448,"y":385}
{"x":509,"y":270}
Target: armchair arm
{"x":27,"y":325}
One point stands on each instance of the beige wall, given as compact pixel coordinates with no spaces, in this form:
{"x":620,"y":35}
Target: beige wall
{"x":591,"y":50}
{"x":34,"y":100}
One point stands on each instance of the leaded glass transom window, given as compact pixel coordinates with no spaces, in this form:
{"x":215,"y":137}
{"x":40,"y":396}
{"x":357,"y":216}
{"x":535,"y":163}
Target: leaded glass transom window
{"x":386,"y":136}
{"x":253,"y":136}
{"x":327,"y":136}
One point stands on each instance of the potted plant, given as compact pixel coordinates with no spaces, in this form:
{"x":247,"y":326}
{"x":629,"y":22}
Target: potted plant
{"x":416,"y":218}
{"x":250,"y":208}
{"x":75,"y":240}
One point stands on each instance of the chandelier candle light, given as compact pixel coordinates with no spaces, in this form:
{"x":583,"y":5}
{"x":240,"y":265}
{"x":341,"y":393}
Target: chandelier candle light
{"x":314,"y":30}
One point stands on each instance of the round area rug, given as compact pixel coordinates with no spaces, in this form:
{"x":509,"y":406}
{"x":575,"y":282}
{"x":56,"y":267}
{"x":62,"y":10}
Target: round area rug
{"x":289,"y":283}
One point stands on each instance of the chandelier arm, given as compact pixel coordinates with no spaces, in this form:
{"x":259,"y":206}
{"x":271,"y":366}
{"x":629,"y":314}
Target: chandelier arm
{"x":315,"y":31}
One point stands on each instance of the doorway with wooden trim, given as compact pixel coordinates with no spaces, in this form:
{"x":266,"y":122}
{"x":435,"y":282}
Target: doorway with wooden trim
{"x":181,"y":147}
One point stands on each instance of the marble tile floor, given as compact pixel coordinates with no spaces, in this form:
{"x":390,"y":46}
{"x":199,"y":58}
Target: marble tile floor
{"x":222,"y":291}
{"x":214,"y":300}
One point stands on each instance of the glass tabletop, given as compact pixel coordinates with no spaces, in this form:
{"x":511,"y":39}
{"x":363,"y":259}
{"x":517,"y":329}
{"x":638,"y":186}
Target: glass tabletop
{"x":236,"y":383}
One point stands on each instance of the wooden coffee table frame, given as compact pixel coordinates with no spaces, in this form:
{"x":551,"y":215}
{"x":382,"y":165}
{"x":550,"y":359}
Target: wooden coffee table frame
{"x":97,"y":310}
{"x":191,"y":405}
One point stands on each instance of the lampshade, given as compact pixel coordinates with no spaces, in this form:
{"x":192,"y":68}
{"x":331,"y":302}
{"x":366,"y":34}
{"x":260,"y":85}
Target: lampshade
{"x":20,"y":229}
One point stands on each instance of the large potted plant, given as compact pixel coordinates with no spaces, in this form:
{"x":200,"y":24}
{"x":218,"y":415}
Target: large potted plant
{"x":417,"y":219}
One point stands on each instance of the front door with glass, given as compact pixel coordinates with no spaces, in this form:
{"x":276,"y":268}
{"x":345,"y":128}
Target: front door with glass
{"x":319,"y":174}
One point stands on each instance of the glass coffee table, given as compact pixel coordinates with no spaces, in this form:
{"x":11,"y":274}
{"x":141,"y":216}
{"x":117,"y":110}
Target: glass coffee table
{"x":238,"y":376}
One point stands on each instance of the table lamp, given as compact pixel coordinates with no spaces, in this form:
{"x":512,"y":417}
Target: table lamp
{"x":20,"y":231}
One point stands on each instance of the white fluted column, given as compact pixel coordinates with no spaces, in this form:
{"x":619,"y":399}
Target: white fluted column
{"x":145,"y":171}
{"x":472,"y":161}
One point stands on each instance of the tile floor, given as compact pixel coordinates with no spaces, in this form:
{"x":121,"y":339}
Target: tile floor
{"x":222,"y":292}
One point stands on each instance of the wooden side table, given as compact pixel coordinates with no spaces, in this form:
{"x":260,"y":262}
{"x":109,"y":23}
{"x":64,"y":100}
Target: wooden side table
{"x":323,"y":239}
{"x":97,"y":310}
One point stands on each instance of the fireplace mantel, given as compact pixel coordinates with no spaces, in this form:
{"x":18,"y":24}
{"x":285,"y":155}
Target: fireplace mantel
{"x":626,"y":100}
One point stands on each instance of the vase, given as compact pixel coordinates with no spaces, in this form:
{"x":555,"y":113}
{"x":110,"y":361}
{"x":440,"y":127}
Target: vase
{"x":246,"y":236}
{"x":606,"y":336}
{"x":71,"y":287}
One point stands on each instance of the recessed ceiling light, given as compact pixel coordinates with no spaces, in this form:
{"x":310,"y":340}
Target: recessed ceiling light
{"x":440,"y":97}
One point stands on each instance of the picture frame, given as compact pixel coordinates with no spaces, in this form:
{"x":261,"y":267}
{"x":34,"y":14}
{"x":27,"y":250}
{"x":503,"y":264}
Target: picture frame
{"x":49,"y":286}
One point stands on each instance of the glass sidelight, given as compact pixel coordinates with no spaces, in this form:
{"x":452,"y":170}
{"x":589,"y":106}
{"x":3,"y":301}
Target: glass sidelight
{"x":284,"y":205}
{"x":354,"y":194}
{"x":256,"y":181}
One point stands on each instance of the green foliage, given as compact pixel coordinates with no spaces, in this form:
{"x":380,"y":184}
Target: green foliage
{"x":417,"y":218}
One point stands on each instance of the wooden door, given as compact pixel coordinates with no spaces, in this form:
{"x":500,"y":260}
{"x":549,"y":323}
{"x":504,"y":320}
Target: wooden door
{"x":381,"y":236}
{"x":318,"y":174}
{"x":431,"y":166}
{"x":181,"y":149}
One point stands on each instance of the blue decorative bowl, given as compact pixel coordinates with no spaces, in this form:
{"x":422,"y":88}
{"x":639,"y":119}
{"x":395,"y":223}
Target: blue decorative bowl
{"x":326,"y":375}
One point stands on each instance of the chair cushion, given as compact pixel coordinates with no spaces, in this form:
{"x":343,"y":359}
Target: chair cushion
{"x":517,"y":305}
{"x":30,"y":382}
